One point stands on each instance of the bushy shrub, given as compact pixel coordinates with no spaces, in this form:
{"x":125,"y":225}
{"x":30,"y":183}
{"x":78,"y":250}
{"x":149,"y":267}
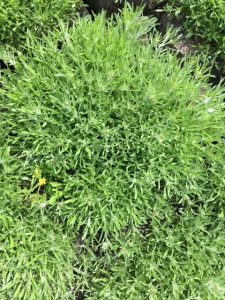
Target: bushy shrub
{"x":204,"y":20}
{"x":113,"y":136}
{"x":18,"y":16}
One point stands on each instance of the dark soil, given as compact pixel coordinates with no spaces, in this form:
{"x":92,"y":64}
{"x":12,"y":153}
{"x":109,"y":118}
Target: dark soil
{"x":111,"y":6}
{"x":80,"y":296}
{"x":6,"y":66}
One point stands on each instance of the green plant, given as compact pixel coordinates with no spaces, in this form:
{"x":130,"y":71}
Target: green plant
{"x":19,"y":16}
{"x":179,"y":260}
{"x":35,"y":255}
{"x":130,"y":146}
{"x":203,"y":20}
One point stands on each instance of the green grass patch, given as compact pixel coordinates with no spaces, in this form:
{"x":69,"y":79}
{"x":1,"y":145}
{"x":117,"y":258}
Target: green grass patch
{"x":19,"y":16}
{"x":179,"y":261}
{"x":113,"y":138}
{"x":36,"y":256}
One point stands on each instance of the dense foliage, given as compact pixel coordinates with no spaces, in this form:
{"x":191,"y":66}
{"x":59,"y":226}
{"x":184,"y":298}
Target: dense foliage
{"x":19,"y":16}
{"x":36,"y":256}
{"x":110,"y":140}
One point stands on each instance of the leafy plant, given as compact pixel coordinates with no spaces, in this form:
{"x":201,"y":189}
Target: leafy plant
{"x":19,"y":16}
{"x":35,"y":255}
{"x":204,"y":20}
{"x":179,"y":260}
{"x":130,"y":144}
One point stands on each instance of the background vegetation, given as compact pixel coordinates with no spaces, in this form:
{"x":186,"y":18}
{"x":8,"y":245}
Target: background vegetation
{"x":203,"y":20}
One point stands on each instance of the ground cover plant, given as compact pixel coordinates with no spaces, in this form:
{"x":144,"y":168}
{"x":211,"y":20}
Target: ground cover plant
{"x":116,"y":147}
{"x":36,"y":254}
{"x":36,"y":257}
{"x":19,"y":16}
{"x":203,"y":20}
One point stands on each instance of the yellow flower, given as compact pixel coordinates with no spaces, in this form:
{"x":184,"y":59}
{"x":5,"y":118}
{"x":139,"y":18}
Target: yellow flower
{"x":41,"y":181}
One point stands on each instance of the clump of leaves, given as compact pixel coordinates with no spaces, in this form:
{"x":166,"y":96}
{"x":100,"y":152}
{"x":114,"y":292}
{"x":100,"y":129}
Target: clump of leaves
{"x":127,"y":137}
{"x":19,"y":16}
